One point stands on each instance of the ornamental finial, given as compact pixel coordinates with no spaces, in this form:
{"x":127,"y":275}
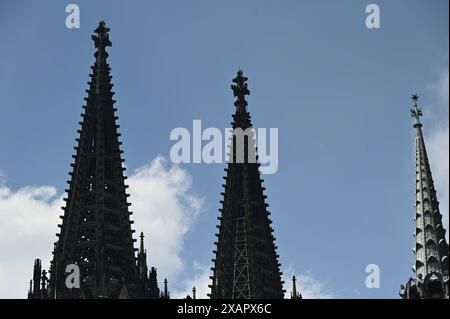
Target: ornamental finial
{"x":416,"y":111}
{"x":101,"y":40}
{"x":240,"y":89}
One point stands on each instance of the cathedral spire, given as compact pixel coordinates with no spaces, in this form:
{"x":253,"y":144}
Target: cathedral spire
{"x":246,"y":263}
{"x":96,"y":232}
{"x":431,"y":249}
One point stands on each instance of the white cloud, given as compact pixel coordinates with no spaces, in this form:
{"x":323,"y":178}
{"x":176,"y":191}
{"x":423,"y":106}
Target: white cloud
{"x":164,"y":208}
{"x":307,"y":285}
{"x":28,"y":219}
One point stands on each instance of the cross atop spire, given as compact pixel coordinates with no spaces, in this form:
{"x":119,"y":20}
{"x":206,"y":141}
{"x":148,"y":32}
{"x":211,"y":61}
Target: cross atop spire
{"x":416,"y":111}
{"x":101,"y":40}
{"x":240,"y":89}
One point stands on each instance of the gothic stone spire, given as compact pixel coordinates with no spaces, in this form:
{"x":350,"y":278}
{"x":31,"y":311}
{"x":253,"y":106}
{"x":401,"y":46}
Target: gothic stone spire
{"x":431,"y":249}
{"x":246,"y":263}
{"x":96,"y":229}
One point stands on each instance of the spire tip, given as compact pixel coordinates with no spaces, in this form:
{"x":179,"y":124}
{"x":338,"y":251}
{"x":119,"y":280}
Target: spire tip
{"x":101,"y":40}
{"x":416,"y":111}
{"x":240,"y":89}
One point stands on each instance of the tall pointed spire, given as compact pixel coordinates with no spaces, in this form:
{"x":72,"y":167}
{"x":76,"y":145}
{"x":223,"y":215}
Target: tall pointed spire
{"x":96,"y":232}
{"x":431,"y":249}
{"x":246,"y":263}
{"x":142,"y":268}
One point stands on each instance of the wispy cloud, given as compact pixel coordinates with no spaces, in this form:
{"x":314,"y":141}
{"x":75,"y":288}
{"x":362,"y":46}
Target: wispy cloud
{"x":438,"y":146}
{"x":164,"y":208}
{"x":28,"y":219}
{"x":309,"y":286}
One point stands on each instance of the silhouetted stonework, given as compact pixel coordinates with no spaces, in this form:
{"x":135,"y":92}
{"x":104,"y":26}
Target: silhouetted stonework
{"x":246,"y":263}
{"x":431,"y":249}
{"x":96,"y":232}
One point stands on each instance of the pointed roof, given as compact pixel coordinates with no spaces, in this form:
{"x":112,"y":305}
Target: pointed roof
{"x":246,"y":262}
{"x":96,"y":229}
{"x":431,"y":249}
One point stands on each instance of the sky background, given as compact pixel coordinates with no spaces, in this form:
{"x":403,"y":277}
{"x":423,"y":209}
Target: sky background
{"x":338,"y":93}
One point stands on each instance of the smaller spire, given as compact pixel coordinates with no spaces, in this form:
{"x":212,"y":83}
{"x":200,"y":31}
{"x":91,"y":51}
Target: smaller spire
{"x":416,"y":111}
{"x":165,"y":294}
{"x":37,"y":272}
{"x":295,"y":294}
{"x":153,"y":289}
{"x":165,"y":287}
{"x":194,"y":293}
{"x":142,"y":242}
{"x":294,"y":286}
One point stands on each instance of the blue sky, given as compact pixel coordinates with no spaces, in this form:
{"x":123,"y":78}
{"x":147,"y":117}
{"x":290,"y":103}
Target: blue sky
{"x":338,"y":93}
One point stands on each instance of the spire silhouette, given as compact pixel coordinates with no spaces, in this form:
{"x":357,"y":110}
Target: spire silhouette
{"x":246,"y":263}
{"x":431,"y":249}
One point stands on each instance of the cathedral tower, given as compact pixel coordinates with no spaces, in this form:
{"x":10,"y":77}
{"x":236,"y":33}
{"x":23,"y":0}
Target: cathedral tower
{"x":96,"y":229}
{"x":431,"y":248}
{"x":96,"y":235}
{"x":246,"y":263}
